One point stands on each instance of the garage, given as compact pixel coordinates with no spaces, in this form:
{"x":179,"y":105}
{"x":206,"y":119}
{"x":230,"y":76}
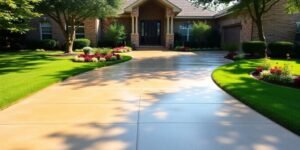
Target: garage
{"x":231,"y":34}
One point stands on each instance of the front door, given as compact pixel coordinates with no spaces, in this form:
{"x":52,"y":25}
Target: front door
{"x":150,"y":32}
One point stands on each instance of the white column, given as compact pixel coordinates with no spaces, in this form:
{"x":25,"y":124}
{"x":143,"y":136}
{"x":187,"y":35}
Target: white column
{"x":136,"y":25}
{"x":168,"y":25}
{"x":132,"y":25}
{"x":172,"y":25}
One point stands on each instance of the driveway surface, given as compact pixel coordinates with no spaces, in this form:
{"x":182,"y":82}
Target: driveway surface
{"x":158,"y":101}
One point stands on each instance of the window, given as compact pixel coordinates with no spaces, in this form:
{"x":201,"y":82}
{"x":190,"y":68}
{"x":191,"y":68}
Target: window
{"x":80,"y":31}
{"x":45,"y":30}
{"x":185,"y":31}
{"x":298,"y":27}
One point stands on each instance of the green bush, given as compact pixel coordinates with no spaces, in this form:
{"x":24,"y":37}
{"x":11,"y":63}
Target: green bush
{"x":254,"y":47}
{"x":200,"y":33}
{"x":47,"y":44}
{"x":296,"y":52}
{"x":115,"y":35}
{"x":81,"y":43}
{"x":87,"y":50}
{"x":280,"y":48}
{"x":230,"y":47}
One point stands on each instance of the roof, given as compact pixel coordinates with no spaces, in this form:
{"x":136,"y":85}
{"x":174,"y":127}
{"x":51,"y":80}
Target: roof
{"x":188,"y":10}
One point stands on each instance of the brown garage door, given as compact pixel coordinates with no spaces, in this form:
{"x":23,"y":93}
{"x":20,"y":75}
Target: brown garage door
{"x":231,"y":34}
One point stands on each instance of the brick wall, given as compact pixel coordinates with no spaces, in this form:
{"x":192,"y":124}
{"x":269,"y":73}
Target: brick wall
{"x":243,"y":19}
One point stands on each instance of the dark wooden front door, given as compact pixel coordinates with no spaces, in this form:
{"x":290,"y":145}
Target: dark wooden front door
{"x":150,"y":32}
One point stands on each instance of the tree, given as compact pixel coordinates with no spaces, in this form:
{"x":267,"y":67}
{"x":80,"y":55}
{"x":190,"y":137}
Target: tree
{"x":115,"y":34}
{"x":255,"y":8}
{"x":293,"y":6}
{"x":15,"y":14}
{"x":69,"y":14}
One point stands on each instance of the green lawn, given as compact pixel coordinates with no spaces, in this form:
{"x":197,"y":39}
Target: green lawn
{"x":23,"y":73}
{"x":281,"y":104}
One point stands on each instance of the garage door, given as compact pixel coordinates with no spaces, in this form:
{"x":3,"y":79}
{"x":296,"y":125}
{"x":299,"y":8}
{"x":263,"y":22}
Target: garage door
{"x":231,"y":34}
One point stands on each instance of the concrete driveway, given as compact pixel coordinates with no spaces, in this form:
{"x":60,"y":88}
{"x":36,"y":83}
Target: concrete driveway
{"x":158,"y":101}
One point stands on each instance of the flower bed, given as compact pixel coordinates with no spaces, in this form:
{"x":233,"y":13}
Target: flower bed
{"x":280,"y":75}
{"x":100,"y":55}
{"x":122,"y":49}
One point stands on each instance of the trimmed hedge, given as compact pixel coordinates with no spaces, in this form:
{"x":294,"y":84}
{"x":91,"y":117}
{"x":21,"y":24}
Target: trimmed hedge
{"x":81,"y":43}
{"x":280,"y":49}
{"x":48,"y":44}
{"x":296,"y":52}
{"x":254,"y":47}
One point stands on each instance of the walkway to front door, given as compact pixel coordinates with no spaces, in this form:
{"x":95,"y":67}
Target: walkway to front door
{"x":159,"y":101}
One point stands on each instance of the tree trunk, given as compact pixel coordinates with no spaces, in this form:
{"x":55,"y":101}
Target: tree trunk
{"x":70,"y":41}
{"x":260,"y":29}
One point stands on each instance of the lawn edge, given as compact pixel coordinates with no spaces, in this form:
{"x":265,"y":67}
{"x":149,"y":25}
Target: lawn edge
{"x":63,"y":79}
{"x":276,"y":121}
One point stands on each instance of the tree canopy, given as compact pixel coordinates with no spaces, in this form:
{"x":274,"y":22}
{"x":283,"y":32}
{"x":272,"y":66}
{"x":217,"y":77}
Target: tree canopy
{"x":68,"y":14}
{"x":15,"y":14}
{"x":293,"y":6}
{"x":255,"y":8}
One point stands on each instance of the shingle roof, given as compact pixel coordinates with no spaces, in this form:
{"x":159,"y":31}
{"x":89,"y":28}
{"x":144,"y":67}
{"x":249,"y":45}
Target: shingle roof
{"x":188,"y":9}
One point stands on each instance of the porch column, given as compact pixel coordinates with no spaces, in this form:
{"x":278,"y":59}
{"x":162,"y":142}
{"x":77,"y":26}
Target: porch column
{"x":169,"y":43}
{"x":135,"y":38}
{"x":136,"y":25}
{"x":132,"y":25}
{"x":172,"y":25}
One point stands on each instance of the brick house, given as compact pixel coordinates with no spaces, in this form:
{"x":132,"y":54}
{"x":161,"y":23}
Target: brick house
{"x":155,"y":22}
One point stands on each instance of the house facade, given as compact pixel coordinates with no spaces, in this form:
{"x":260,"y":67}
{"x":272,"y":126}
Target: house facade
{"x":155,"y":23}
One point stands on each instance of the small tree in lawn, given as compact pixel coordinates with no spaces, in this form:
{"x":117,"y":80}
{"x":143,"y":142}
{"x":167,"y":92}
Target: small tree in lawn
{"x":200,"y":32}
{"x":256,"y":9}
{"x":15,"y":14}
{"x":115,"y":34}
{"x":68,"y":14}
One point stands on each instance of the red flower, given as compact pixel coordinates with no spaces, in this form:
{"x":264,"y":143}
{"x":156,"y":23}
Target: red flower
{"x":276,"y":70}
{"x":259,"y":69}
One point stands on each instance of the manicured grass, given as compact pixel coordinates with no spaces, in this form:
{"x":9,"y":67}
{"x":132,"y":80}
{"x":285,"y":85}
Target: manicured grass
{"x":23,"y":73}
{"x":281,"y":104}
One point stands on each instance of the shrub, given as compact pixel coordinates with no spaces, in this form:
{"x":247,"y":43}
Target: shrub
{"x":296,"y":51}
{"x":103,"y":51}
{"x":230,"y":47}
{"x":280,"y":49}
{"x":87,"y":50}
{"x":254,"y":47}
{"x":48,"y":44}
{"x":81,"y":43}
{"x":115,"y":34}
{"x":200,"y":33}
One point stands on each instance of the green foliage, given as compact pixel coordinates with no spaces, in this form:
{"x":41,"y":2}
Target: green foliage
{"x":48,"y":44}
{"x":26,"y":72}
{"x":280,"y":49}
{"x":261,"y":96}
{"x":200,"y":33}
{"x":254,"y":47}
{"x":81,"y":43}
{"x":76,"y":12}
{"x":293,"y":6}
{"x":103,"y":51}
{"x":230,"y":47}
{"x":16,"y":14}
{"x":87,"y":50}
{"x":115,"y":34}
